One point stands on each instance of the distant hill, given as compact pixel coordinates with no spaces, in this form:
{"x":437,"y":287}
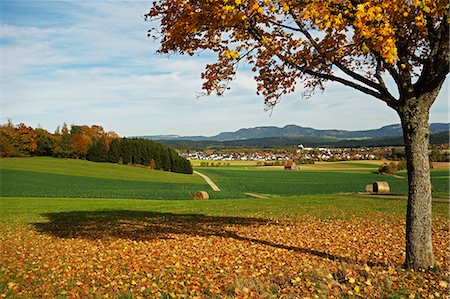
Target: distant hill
{"x":298,"y":131}
{"x":272,"y":142}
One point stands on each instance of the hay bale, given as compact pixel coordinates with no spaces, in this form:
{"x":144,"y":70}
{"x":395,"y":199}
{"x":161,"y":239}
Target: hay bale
{"x":381,"y":188}
{"x":369,"y":188}
{"x":201,"y":195}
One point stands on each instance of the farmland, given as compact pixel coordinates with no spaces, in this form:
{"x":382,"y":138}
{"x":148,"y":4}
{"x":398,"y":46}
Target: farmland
{"x":319,"y":178}
{"x":50,"y":177}
{"x":72,"y":229}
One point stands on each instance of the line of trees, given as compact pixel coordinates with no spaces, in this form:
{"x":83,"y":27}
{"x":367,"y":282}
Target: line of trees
{"x":91,"y":143}
{"x":141,"y":152}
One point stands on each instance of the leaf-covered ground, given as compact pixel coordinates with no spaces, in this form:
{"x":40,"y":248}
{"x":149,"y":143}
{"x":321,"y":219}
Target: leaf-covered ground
{"x":132,"y":254}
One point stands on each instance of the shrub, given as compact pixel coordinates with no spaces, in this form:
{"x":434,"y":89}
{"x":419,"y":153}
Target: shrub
{"x":390,"y":168}
{"x":401,"y":165}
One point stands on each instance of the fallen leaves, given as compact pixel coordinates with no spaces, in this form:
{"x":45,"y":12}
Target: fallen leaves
{"x":178,"y":256}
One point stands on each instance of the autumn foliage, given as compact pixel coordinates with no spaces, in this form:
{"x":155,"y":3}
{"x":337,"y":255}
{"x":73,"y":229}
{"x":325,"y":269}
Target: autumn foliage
{"x":358,"y":39}
{"x":90,"y":143}
{"x":138,"y":254}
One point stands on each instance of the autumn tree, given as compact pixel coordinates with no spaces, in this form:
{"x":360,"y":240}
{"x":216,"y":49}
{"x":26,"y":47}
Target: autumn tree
{"x":393,"y":50}
{"x":46,"y":142}
{"x":7,"y":143}
{"x":26,"y":139}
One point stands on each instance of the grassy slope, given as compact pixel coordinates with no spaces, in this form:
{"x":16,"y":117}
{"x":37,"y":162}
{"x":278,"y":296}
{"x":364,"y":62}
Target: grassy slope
{"x":92,"y":169}
{"x":50,"y":177}
{"x":26,"y":210}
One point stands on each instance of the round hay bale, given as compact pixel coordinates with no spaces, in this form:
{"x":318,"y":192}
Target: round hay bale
{"x":381,"y":188}
{"x":369,"y":188}
{"x":201,"y":195}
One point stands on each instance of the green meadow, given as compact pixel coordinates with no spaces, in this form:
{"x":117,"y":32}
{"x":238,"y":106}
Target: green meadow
{"x":325,"y":207}
{"x":52,"y":177}
{"x":236,"y":181}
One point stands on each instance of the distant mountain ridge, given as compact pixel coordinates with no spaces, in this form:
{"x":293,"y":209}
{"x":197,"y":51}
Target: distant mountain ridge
{"x":298,"y":131}
{"x":274,"y":142}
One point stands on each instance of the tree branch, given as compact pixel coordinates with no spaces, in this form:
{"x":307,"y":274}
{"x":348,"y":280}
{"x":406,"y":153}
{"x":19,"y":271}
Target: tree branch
{"x":354,"y":85}
{"x":283,"y":26}
{"x":380,"y":88}
{"x":378,"y":75}
{"x":254,"y":32}
{"x":436,"y":66}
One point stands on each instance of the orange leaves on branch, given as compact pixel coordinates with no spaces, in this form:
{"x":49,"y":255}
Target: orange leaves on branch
{"x":306,"y":40}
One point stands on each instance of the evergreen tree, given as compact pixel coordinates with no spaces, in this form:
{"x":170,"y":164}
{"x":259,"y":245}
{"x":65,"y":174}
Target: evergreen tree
{"x":115,"y":151}
{"x":97,"y":152}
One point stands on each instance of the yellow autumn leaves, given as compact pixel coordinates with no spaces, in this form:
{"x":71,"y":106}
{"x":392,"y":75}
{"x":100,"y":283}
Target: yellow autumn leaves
{"x":217,"y":258}
{"x":375,"y":25}
{"x":231,"y":54}
{"x":231,"y":7}
{"x":368,"y":28}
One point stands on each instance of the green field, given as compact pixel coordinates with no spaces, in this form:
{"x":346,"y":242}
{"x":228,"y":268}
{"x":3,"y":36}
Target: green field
{"x":52,"y":177}
{"x":32,"y":209}
{"x":287,"y":183}
{"x":38,"y":182}
{"x":85,"y":168}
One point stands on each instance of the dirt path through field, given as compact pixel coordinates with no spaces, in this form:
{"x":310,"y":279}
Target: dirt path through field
{"x":208,"y":180}
{"x":256,"y":195}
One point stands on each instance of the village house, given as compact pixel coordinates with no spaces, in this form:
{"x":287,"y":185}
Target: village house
{"x":290,"y":165}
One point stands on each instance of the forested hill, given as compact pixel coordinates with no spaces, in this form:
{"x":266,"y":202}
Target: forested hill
{"x":90,"y":143}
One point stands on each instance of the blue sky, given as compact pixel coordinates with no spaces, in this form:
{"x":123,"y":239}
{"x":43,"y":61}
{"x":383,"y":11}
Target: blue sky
{"x":91,"y":62}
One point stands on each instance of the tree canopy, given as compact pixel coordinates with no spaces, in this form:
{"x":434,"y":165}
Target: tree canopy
{"x":351,"y":42}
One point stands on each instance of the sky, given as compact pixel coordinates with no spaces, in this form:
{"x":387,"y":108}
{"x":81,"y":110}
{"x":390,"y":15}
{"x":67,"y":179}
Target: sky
{"x":91,"y":62}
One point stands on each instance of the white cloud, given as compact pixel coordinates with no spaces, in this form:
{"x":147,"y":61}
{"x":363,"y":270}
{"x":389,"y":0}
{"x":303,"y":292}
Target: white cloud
{"x":92,"y":63}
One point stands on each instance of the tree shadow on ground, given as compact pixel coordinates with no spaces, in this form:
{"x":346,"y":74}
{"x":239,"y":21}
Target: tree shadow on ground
{"x":142,"y":225}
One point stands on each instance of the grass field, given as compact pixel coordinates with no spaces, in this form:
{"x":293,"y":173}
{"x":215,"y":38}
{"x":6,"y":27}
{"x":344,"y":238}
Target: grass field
{"x":71,"y":229}
{"x":85,"y":168}
{"x":234,"y":182}
{"x":51,"y":177}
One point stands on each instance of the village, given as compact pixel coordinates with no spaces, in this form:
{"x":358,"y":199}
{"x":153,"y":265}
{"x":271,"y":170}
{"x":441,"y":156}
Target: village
{"x":301,"y":154}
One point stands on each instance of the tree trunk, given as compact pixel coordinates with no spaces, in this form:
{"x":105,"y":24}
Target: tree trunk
{"x":414,"y":115}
